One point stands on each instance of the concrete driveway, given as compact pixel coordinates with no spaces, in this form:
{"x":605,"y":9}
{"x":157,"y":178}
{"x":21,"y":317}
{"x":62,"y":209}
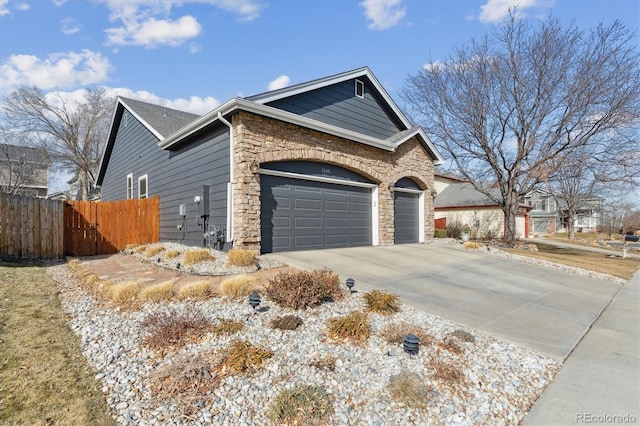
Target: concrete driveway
{"x":545,"y":310}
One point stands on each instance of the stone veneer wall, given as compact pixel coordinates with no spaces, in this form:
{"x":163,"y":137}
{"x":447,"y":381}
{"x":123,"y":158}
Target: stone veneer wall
{"x":261,"y":140}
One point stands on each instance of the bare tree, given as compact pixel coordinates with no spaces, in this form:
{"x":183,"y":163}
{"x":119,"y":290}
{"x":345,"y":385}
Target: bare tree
{"x":23,"y":170}
{"x":73,"y":133}
{"x":505,"y":106}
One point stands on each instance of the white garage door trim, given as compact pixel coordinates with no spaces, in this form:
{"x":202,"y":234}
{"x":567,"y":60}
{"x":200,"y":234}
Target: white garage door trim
{"x":420,"y":209}
{"x":375,"y":218}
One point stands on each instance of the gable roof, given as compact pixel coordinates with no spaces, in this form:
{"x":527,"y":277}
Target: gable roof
{"x":172,"y":126}
{"x":464,"y":195}
{"x":160,"y":120}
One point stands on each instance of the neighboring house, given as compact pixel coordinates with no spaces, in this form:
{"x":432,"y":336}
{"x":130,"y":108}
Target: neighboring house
{"x":460,"y":202}
{"x":328,"y":163}
{"x":549,"y":213}
{"x":23,"y":171}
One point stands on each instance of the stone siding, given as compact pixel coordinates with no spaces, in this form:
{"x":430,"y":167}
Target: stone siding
{"x":259,"y":140}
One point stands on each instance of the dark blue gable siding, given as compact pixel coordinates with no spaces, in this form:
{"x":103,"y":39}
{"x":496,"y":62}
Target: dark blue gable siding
{"x":176,"y":176}
{"x":339,"y":106}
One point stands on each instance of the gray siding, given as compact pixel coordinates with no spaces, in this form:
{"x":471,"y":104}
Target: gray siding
{"x":339,"y":106}
{"x":176,"y":176}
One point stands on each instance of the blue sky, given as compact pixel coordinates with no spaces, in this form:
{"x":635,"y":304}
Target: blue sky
{"x":193,"y":55}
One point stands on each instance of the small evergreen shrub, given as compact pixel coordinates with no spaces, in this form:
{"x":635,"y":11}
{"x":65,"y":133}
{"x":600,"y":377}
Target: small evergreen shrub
{"x":382,"y":302}
{"x":440,"y":233}
{"x":302,"y":289}
{"x":286,"y":322}
{"x":353,"y":327}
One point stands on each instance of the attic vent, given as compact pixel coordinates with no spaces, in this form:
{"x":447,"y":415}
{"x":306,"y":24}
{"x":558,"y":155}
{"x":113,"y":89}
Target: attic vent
{"x":359,"y":89}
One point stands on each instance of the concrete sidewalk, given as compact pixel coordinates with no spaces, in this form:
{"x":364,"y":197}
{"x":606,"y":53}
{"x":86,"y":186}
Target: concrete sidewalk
{"x":600,"y":380}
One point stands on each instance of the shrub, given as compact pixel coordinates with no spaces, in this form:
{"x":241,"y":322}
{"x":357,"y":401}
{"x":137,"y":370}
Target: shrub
{"x":302,"y":289}
{"x":153,"y":250}
{"x":473,"y":245}
{"x":381,"y":302}
{"x":126,"y":292}
{"x":197,"y":290}
{"x":242,"y":356}
{"x":157,"y":292}
{"x":173,"y":330}
{"x":353,"y":327}
{"x":240,"y":257}
{"x":326,"y":363}
{"x":447,"y":371}
{"x":463,"y":335}
{"x":286,"y":322}
{"x":395,"y":332}
{"x":140,"y":249}
{"x":171,"y":254}
{"x":454,"y":229}
{"x":409,"y":389}
{"x":301,"y":405}
{"x":451,"y":345}
{"x":236,"y":287}
{"x":227,"y":326}
{"x":440,"y":233}
{"x":192,"y":257}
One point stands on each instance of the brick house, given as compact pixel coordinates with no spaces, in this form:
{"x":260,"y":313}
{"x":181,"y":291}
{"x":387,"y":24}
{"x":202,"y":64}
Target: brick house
{"x":328,"y":163}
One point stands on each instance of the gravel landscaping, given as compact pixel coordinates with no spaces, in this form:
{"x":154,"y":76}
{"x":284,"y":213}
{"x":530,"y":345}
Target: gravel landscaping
{"x":483,"y":381}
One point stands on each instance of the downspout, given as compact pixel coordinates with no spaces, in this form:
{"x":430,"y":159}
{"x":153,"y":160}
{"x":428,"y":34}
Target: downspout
{"x":230,"y":221}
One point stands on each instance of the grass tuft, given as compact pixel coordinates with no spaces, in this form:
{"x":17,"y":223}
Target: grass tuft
{"x":301,"y":405}
{"x":447,"y":371}
{"x":241,"y":257}
{"x":472,"y":245}
{"x":327,"y":363}
{"x":172,"y":254}
{"x":158,"y":292}
{"x":409,"y":389}
{"x":126,"y":292}
{"x":382,"y":302}
{"x":153,"y":250}
{"x":197,"y":290}
{"x":237,"y":287}
{"x":191,"y":257}
{"x":353,"y":327}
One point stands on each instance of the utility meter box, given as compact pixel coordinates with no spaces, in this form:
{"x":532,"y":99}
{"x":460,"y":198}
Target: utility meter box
{"x":182,"y":210}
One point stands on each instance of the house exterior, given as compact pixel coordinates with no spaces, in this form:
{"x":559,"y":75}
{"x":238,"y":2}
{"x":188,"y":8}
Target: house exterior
{"x":328,"y":163}
{"x":549,"y":213}
{"x":23,"y":171}
{"x":458,"y":201}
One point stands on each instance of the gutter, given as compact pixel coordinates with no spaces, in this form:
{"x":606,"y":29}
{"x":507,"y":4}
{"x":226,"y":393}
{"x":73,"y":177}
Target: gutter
{"x":230,"y":220}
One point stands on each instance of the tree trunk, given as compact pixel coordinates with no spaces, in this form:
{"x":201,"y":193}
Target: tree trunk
{"x":571,"y":232}
{"x":510,"y":209}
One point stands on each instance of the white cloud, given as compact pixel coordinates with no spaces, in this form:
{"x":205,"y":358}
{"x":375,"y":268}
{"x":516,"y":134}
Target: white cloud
{"x":59,"y":3}
{"x":154,"y":32}
{"x":57,"y":71}
{"x":195,"y":104}
{"x":279,"y":82}
{"x":383,"y":14}
{"x":496,"y":10}
{"x":149,"y":22}
{"x":23,"y":6}
{"x":4,"y":10}
{"x":69,"y":26}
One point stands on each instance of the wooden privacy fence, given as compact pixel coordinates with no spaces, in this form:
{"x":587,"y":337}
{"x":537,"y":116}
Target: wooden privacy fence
{"x":107,"y":227}
{"x":440,"y":223}
{"x":31,"y":228}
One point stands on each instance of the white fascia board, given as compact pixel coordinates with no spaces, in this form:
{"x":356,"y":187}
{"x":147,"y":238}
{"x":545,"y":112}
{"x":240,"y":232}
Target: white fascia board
{"x":267,"y":111}
{"x":439,"y":158}
{"x":144,"y":123}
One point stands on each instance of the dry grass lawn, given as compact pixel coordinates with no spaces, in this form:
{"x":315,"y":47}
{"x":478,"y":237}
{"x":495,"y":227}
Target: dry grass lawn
{"x":44,"y":379}
{"x":618,"y":267}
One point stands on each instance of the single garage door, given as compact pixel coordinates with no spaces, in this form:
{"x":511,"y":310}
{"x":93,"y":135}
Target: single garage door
{"x":301,"y":214}
{"x":540,"y":226}
{"x":406,"y":217}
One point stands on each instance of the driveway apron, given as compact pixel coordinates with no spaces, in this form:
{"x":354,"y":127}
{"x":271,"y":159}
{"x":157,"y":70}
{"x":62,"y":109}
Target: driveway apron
{"x":545,"y":310}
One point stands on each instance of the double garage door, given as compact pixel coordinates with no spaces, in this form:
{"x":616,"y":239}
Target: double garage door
{"x":299,"y":214}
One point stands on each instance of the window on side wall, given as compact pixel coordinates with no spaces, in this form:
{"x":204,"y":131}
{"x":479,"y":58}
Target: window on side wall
{"x":143,"y":187}
{"x":129,"y":186}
